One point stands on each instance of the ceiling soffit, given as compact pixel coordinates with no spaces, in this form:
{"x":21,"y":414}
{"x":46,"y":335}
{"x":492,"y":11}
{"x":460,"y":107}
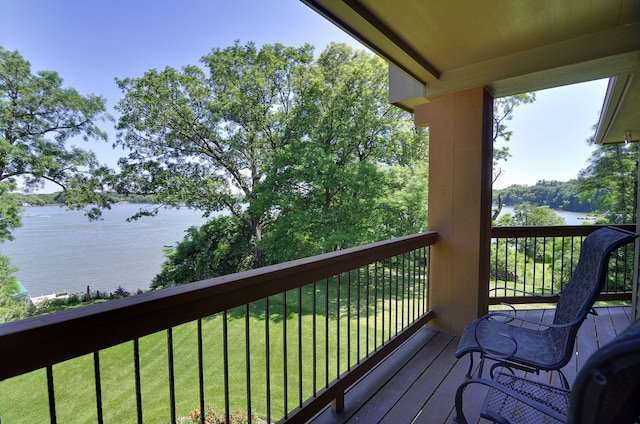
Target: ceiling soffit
{"x":435,"y":40}
{"x":508,"y":46}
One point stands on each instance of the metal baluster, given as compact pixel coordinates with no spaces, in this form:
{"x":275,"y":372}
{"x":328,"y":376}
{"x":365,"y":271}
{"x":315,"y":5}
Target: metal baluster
{"x":172,"y":389}
{"x":300,"y":400}
{"x":52,"y":396}
{"x":397,"y":291}
{"x":375,"y":306}
{"x":268,"y":357}
{"x":338,"y":283}
{"x":383,"y":298}
{"x":96,"y":372}
{"x":200,"y":367}
{"x":413,"y":284}
{"x":326,"y":332}
{"x":247,"y":335}
{"x":403,"y":295}
{"x":285,"y":367}
{"x":315,"y":338}
{"x":390,"y":296}
{"x":349,"y":321}
{"x":136,"y":366}
{"x":359,"y":294}
{"x":225,"y":357}
{"x":367,"y":312}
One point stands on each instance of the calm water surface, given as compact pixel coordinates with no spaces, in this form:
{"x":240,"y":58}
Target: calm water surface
{"x":60,"y":250}
{"x":570,"y":218}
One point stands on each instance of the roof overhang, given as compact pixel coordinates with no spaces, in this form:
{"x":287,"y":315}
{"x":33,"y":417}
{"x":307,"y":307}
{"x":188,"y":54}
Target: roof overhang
{"x":620,"y":118}
{"x":508,"y":46}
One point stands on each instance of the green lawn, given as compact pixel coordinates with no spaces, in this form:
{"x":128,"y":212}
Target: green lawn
{"x":24,"y":399}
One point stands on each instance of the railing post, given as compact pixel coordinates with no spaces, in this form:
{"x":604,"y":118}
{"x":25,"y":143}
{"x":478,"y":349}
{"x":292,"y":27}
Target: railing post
{"x":337,"y":404}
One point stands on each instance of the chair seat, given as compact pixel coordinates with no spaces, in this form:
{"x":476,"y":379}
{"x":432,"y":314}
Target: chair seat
{"x":499,"y":404}
{"x":550,"y":347}
{"x":535,"y":348}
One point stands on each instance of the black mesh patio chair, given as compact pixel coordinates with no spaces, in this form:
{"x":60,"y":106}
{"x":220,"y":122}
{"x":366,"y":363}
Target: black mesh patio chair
{"x":606,"y":391}
{"x":548,"y":347}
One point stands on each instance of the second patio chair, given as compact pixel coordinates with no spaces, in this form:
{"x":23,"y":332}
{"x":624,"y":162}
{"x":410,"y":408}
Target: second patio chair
{"x":606,"y":391}
{"x":502,"y":337}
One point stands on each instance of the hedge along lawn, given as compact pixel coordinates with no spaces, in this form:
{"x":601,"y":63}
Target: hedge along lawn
{"x":24,"y":398}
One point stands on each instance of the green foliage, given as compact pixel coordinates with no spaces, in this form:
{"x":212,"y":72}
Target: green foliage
{"x":555,"y":194}
{"x":10,"y":309}
{"x":300,"y":151}
{"x":120,"y":292}
{"x":9,"y":211}
{"x":219,"y":247}
{"x":610,"y":179}
{"x":528,"y":214}
{"x":213,"y":415}
{"x":38,"y":116}
{"x":503,"y":108}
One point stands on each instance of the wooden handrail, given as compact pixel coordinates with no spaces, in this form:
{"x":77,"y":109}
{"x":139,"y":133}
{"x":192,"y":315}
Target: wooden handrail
{"x":551,"y":230}
{"x":40,"y":341}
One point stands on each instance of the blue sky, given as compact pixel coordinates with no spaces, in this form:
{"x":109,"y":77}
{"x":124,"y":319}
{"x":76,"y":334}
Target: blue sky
{"x":89,"y":43}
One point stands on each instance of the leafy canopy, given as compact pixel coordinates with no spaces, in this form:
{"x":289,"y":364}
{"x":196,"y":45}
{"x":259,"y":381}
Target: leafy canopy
{"x":38,"y":117}
{"x":610,"y":180}
{"x":303,"y":152}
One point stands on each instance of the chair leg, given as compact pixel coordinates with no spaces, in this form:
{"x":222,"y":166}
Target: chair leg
{"x":563,"y":380}
{"x":470,"y":366}
{"x":481,"y":366}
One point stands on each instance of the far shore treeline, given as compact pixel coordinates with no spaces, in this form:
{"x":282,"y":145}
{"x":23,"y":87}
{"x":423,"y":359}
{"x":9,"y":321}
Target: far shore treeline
{"x":58,"y":198}
{"x":557,"y":195}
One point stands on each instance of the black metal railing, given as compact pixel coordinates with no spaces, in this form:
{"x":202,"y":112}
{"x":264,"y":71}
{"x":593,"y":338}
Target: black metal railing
{"x":542,"y":259}
{"x":278,"y":343}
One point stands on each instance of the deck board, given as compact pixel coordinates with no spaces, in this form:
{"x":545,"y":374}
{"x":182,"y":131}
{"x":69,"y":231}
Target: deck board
{"x":418,"y":382}
{"x":425,"y":386}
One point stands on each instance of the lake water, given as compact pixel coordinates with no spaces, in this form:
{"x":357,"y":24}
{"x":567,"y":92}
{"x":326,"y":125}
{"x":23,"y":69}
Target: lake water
{"x":570,"y":218}
{"x":59,"y":250}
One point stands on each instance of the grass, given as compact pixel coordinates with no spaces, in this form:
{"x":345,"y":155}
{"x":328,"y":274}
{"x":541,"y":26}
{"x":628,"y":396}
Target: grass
{"x":24,"y":399}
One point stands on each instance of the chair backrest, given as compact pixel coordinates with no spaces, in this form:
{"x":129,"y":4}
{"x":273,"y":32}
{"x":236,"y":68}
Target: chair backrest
{"x":590,"y":274}
{"x":585,"y":284}
{"x":607,"y":388}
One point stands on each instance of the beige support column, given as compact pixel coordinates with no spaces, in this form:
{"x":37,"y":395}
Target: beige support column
{"x":460,"y":163}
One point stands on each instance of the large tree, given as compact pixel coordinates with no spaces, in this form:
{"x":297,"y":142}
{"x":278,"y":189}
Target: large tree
{"x":295,"y":148}
{"x":357,"y":174}
{"x":503,"y":109}
{"x":610,"y":181}
{"x":205,"y":138}
{"x":38,"y":118}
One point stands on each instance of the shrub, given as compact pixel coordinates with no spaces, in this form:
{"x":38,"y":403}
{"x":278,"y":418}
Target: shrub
{"x":213,"y":415}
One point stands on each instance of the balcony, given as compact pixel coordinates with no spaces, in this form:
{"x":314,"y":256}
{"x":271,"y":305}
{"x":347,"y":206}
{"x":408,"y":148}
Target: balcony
{"x":334,"y":338}
{"x":417,"y":384}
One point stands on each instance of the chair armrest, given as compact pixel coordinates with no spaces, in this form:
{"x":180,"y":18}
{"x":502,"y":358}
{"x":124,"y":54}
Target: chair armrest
{"x":461,"y":419}
{"x":509,"y":318}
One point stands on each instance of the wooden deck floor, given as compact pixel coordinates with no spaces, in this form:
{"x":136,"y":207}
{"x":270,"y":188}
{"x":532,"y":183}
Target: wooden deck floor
{"x":417,"y":383}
